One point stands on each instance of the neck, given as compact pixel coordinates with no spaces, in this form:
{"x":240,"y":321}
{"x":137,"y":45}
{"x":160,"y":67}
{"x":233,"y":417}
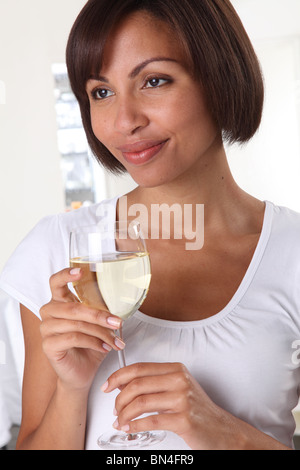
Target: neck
{"x":204,"y":183}
{"x":210,"y":184}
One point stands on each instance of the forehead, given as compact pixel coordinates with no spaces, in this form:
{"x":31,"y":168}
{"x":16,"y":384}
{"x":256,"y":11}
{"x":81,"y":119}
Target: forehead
{"x":140,"y":36}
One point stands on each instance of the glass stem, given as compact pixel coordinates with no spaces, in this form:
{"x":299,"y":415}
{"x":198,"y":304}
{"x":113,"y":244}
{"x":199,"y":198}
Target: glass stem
{"x":121,"y":353}
{"x":122,"y":363}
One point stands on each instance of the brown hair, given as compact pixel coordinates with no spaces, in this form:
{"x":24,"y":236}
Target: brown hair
{"x":220,"y":52}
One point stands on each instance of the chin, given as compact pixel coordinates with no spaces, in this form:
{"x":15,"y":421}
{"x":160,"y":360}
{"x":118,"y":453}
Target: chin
{"x":147,"y":180}
{"x":156,"y":172}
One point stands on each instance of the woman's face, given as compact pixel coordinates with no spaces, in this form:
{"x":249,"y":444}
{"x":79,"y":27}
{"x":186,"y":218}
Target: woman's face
{"x":146,"y":108}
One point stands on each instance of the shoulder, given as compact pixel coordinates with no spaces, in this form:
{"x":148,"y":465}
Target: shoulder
{"x":286,"y":215}
{"x":277,"y":279}
{"x":89,"y":215}
{"x":286,"y":226}
{"x":280,"y":262}
{"x":282,"y":244}
{"x":58,"y":225}
{"x":45,"y":251}
{"x":49,"y":238}
{"x":282,"y":255}
{"x":53,"y":230}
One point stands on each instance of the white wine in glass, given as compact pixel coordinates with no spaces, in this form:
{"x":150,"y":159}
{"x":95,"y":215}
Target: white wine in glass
{"x":116,"y":274}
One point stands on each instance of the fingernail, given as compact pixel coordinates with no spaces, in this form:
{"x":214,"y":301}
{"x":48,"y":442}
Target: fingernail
{"x":107,"y":347}
{"x":115,"y":412}
{"x":104,"y":387}
{"x":114,"y":321}
{"x":75,"y":271}
{"x":125,"y":428}
{"x":119,"y":343}
{"x":116,"y":424}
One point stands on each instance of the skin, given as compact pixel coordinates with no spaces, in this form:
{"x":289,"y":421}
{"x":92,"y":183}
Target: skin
{"x":135,"y":110}
{"x":132,"y":102}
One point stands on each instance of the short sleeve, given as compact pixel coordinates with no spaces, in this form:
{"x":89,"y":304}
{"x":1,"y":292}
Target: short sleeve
{"x":42,"y":252}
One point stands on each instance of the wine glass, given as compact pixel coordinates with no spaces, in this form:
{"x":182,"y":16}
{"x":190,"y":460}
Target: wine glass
{"x":116,"y":274}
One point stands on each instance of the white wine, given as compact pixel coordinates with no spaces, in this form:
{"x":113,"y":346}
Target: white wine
{"x":124,"y":282}
{"x":118,"y":283}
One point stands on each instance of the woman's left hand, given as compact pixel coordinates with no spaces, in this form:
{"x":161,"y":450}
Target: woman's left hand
{"x":182,"y":405}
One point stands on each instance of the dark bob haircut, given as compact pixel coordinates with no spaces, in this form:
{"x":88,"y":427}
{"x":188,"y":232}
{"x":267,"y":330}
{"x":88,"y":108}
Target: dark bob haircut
{"x":218,"y":48}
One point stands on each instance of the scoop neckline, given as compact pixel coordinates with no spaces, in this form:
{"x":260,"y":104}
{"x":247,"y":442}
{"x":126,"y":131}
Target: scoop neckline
{"x":241,"y":290}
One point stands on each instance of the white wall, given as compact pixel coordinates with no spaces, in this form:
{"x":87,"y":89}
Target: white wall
{"x":33,"y":35}
{"x":269,"y":166}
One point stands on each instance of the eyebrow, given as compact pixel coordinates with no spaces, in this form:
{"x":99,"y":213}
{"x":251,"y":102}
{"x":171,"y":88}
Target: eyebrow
{"x":141,"y":66}
{"x":136,"y":69}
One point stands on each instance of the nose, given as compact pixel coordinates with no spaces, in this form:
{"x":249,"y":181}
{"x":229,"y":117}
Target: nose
{"x":130,"y":116}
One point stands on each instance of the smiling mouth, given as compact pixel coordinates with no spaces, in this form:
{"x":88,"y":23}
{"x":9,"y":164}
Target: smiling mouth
{"x":141,"y":152}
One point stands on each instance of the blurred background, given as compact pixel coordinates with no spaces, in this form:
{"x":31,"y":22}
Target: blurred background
{"x":46,"y":166}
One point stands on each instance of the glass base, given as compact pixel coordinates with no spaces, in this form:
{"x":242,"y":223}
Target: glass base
{"x":120,"y":440}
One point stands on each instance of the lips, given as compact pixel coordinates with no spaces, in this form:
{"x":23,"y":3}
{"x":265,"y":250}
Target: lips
{"x":141,"y":152}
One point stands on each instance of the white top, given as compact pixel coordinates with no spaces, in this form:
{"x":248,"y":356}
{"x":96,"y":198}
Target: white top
{"x":245,"y":357}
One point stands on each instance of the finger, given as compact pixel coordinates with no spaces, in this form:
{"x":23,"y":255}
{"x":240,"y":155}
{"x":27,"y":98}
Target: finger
{"x":79,"y":312}
{"x":166,"y":402}
{"x":125,"y":375}
{"x":138,"y":390}
{"x":175,"y":422}
{"x":55,"y":327}
{"x":58,"y":346}
{"x":59,"y":284}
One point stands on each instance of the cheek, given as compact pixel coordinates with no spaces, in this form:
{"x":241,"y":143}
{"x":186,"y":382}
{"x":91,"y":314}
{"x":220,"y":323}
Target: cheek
{"x":99,"y":126}
{"x":197,"y":125}
{"x":102,"y":130}
{"x":187,"y":111}
{"x":195,"y":113}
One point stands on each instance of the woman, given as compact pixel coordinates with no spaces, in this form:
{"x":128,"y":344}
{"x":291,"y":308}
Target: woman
{"x":161,"y":86}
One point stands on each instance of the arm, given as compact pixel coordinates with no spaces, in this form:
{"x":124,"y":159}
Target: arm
{"x":182,"y":406}
{"x":52,"y":416}
{"x":62,"y":355}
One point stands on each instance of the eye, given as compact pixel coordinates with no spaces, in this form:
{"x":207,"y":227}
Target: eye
{"x":101,"y":93}
{"x":156,"y":82}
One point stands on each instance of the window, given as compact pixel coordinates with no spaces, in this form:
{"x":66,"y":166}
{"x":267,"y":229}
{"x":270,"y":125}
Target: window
{"x":77,"y":163}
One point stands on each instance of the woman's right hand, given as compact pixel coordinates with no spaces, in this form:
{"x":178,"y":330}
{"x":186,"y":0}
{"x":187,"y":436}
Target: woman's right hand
{"x":76,"y":338}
